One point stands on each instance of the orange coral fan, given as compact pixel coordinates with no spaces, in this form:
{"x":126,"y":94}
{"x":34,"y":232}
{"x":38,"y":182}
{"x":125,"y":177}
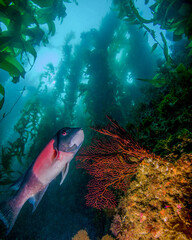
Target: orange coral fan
{"x":112,"y":162}
{"x":81,"y":235}
{"x":158,"y":203}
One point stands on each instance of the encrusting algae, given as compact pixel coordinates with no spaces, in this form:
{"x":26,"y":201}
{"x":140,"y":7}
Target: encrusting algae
{"x":158,"y":202}
{"x":83,"y":235}
{"x":107,"y":237}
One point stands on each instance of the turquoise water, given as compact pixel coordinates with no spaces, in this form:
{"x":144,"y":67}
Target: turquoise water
{"x":69,"y":64}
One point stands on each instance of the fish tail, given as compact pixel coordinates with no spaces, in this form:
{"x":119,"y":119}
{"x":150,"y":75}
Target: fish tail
{"x":8,"y":214}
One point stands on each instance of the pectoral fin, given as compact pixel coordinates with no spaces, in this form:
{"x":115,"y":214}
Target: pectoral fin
{"x":35,"y":200}
{"x":64,"y":172}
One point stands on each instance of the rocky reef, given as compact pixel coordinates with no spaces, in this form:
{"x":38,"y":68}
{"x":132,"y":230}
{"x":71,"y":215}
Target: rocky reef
{"x":158,"y":203}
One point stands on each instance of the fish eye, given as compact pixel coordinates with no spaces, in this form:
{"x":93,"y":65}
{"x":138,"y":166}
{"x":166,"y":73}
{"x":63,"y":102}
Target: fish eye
{"x":64,"y":133}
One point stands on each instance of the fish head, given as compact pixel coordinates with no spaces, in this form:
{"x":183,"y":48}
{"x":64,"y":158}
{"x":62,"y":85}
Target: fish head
{"x":69,"y":139}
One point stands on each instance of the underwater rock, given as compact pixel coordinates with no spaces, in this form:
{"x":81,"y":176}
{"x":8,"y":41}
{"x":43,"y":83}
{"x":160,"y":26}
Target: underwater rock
{"x":158,"y":202}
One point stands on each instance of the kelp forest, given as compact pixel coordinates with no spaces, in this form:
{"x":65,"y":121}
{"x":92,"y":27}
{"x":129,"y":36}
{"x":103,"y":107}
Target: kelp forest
{"x":128,"y":84}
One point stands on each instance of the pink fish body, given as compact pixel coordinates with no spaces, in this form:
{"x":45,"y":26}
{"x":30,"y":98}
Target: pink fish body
{"x":53,"y":159}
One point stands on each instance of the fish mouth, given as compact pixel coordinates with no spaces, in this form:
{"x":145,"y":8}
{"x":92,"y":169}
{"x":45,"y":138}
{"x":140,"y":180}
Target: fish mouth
{"x":76,"y":141}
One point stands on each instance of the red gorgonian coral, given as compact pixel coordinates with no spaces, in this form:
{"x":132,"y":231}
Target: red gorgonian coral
{"x":112,"y":161}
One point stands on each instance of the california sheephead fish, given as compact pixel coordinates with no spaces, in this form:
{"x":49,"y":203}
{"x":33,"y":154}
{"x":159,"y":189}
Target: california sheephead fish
{"x":53,"y":159}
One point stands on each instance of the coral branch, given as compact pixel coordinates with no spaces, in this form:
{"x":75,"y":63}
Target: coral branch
{"x":99,"y":196}
{"x":112,"y":161}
